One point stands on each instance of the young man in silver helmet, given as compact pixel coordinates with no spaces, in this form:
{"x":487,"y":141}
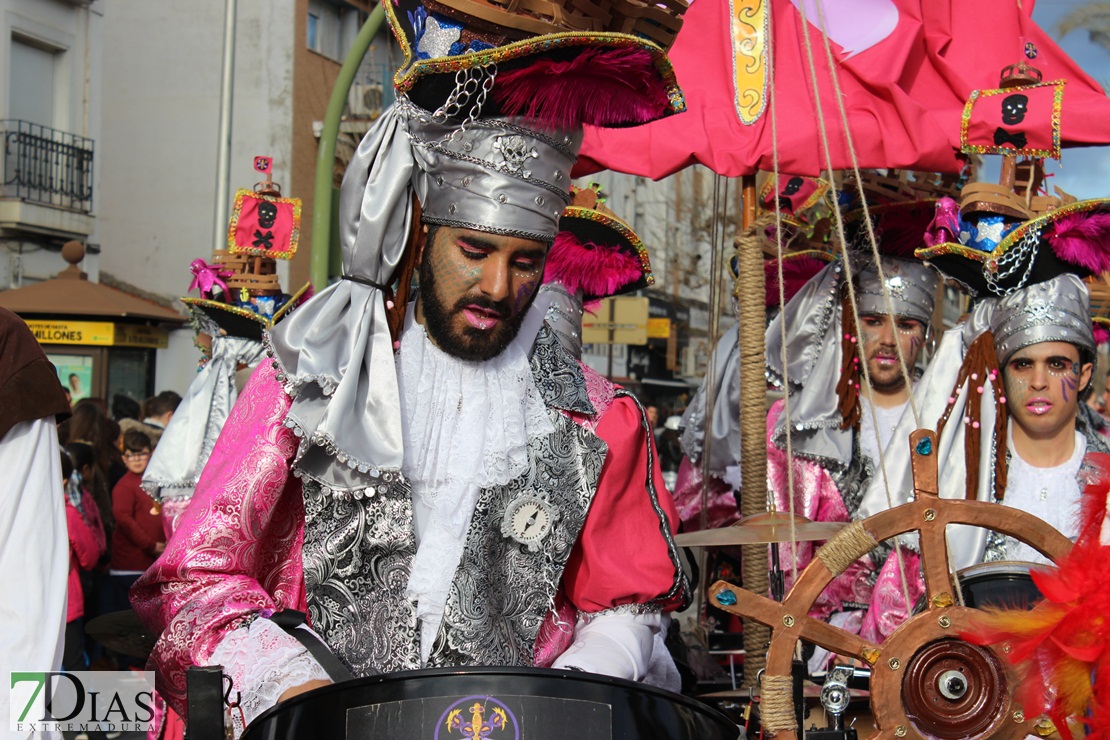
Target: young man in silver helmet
{"x":842,"y":420}
{"x":1040,"y":336}
{"x":457,"y":493}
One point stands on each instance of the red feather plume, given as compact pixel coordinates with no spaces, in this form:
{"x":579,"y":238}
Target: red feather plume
{"x":1062,"y":646}
{"x":602,"y":87}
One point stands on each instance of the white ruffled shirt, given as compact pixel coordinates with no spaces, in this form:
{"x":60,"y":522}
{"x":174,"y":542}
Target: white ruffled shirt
{"x":878,"y":430}
{"x":1050,"y":494}
{"x":466,"y":426}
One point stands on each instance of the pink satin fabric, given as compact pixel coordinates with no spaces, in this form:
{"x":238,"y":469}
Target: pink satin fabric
{"x":722,"y":508}
{"x":237,"y":548}
{"x":817,"y":498}
{"x":236,"y":551}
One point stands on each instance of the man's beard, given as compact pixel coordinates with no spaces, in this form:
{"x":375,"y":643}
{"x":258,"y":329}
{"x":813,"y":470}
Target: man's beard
{"x":896,"y":380}
{"x":472,"y":344}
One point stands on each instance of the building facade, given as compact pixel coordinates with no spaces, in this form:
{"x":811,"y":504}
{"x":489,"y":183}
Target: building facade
{"x":50,"y":122}
{"x":162,"y":69}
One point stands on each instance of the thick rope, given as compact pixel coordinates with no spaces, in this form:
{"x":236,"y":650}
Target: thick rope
{"x":753,"y":445}
{"x":848,"y":546}
{"x":776,"y":704}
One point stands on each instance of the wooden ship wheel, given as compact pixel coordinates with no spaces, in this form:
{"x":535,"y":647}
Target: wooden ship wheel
{"x":926,"y":681}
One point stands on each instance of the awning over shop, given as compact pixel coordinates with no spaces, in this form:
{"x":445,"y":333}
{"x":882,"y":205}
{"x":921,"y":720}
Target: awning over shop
{"x":72,"y":294}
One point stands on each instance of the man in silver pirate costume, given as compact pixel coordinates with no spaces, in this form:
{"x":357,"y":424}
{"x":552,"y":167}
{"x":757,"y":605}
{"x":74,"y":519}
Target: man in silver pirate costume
{"x":477,"y":498}
{"x":841,"y":426}
{"x":1009,"y":380}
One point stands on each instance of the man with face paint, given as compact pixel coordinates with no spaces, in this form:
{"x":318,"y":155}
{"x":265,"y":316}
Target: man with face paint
{"x":436,"y":486}
{"x":1057,"y":467}
{"x":1034,"y":431}
{"x":842,"y":420}
{"x":1004,"y":394}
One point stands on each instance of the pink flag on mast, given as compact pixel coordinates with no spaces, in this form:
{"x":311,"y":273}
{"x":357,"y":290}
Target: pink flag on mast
{"x":970,"y":43}
{"x":721,"y":64}
{"x":904,"y":86}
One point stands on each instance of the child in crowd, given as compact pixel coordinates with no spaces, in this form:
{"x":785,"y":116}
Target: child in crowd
{"x":138,"y":538}
{"x":84,"y":478}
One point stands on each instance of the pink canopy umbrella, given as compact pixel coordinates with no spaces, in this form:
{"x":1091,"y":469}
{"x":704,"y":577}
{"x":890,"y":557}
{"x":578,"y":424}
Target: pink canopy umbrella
{"x":906,"y":69}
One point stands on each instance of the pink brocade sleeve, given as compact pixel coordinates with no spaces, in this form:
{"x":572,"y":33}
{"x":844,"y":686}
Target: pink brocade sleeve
{"x":817,"y":498}
{"x":622,"y":556}
{"x":237,"y":548}
{"x":889,"y":606}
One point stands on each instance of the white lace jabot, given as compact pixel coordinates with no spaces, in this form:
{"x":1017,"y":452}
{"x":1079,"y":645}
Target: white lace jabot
{"x":466,"y":426}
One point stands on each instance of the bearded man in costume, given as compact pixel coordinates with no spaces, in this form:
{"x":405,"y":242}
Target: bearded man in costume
{"x":842,"y":421}
{"x":455,"y":491}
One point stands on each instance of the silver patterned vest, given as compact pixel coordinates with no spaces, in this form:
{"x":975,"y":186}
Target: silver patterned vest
{"x":358,"y":551}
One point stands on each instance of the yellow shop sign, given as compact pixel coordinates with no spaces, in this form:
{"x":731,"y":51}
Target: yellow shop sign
{"x":99,"y":333}
{"x":73,"y":332}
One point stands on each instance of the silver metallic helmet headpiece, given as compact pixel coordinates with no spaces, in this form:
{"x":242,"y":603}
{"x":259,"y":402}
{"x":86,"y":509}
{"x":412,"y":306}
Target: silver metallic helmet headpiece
{"x":1057,"y":310}
{"x":491,"y":174}
{"x":912,"y":286}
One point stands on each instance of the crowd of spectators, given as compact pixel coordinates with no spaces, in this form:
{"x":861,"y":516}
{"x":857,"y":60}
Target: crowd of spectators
{"x":115,"y":528}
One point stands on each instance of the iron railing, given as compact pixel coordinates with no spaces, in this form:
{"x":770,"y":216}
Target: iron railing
{"x":44,"y":165}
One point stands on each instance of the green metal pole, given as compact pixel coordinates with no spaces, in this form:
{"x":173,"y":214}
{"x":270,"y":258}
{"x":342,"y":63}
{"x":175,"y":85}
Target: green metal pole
{"x":325,"y":155}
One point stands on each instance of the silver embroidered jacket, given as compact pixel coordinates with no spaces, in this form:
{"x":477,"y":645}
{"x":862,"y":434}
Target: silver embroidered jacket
{"x":358,"y":551}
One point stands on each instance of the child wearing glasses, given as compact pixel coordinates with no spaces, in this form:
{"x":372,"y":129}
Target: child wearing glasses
{"x":138,"y":538}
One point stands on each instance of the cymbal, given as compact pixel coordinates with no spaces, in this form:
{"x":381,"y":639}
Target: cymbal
{"x":762,"y":529}
{"x":810,"y":690}
{"x":122,"y":632}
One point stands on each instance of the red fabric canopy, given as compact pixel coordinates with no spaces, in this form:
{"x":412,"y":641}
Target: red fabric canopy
{"x":904,"y":95}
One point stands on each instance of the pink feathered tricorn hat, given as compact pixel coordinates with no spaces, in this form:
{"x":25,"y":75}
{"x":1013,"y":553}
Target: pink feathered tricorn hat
{"x":595,"y":251}
{"x":561,"y":64}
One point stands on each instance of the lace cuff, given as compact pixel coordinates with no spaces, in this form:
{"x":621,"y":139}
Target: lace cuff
{"x":264,"y":661}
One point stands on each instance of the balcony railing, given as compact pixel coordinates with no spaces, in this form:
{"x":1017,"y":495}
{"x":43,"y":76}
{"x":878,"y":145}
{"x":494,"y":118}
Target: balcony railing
{"x":44,"y":165}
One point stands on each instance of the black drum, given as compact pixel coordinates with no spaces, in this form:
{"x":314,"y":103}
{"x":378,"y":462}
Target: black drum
{"x":1005,"y":584}
{"x":491,"y":704}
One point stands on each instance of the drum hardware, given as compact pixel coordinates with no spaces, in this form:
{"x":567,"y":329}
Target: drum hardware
{"x":123,"y":632}
{"x":205,"y":697}
{"x":835,"y":697}
{"x":544,"y":704}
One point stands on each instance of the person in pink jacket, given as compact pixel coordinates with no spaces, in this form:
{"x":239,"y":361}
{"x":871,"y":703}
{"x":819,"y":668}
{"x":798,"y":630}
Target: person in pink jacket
{"x":86,"y":546}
